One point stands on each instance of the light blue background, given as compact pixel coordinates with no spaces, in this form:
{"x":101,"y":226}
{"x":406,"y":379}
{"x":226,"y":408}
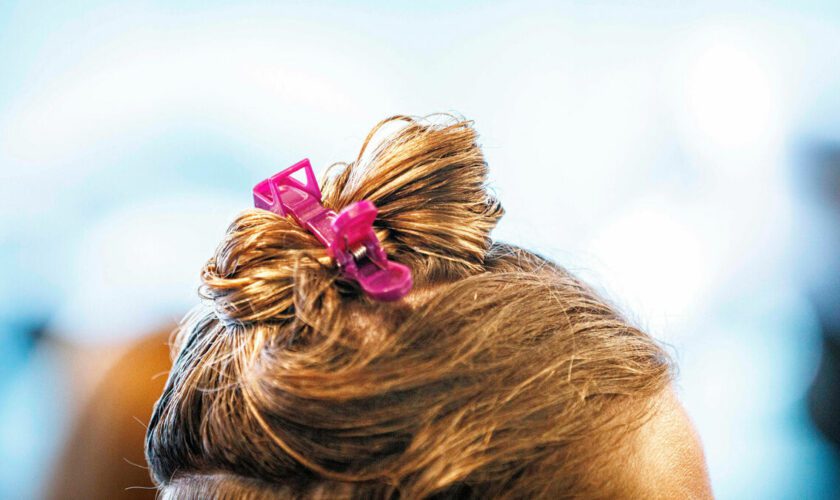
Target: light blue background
{"x":656,"y":148}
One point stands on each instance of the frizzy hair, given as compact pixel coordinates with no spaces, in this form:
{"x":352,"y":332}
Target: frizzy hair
{"x":500,"y":374}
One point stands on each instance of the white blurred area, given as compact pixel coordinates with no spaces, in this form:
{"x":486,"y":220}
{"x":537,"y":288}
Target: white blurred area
{"x":646,"y":146}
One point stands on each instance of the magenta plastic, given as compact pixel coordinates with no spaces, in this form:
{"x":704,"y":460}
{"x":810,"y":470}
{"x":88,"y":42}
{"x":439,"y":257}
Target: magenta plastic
{"x":348,"y":235}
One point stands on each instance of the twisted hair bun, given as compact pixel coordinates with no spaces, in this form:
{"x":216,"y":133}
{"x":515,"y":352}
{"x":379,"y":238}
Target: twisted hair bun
{"x":500,"y":374}
{"x":435,"y":215}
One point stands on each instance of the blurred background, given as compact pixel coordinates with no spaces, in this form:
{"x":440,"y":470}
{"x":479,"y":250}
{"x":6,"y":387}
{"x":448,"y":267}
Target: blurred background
{"x":683,"y":156}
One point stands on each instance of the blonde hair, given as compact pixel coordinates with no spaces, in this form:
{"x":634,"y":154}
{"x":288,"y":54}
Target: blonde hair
{"x":501,"y":374}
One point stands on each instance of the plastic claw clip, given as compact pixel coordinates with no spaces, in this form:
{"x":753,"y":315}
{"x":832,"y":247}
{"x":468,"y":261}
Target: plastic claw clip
{"x":348,"y":235}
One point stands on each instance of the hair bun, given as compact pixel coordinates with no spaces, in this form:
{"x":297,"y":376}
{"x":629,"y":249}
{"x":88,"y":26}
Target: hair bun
{"x":428,"y":181}
{"x":435,"y":215}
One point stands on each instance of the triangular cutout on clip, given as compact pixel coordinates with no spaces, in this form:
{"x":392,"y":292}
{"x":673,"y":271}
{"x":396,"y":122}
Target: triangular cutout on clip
{"x":306,"y":181}
{"x":300,"y":176}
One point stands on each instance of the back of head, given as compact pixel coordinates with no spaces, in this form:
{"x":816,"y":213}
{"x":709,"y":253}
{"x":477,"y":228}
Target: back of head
{"x":499,"y":374}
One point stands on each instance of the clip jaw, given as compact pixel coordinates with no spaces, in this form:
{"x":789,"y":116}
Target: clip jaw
{"x":348,"y":235}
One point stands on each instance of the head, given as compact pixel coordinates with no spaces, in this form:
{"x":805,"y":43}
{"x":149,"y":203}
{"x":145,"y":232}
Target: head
{"x":500,"y":374}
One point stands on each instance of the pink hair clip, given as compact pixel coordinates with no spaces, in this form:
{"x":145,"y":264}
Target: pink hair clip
{"x":348,"y":235}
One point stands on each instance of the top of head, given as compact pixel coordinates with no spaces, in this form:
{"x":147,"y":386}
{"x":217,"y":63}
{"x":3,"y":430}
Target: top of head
{"x":498,"y":372}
